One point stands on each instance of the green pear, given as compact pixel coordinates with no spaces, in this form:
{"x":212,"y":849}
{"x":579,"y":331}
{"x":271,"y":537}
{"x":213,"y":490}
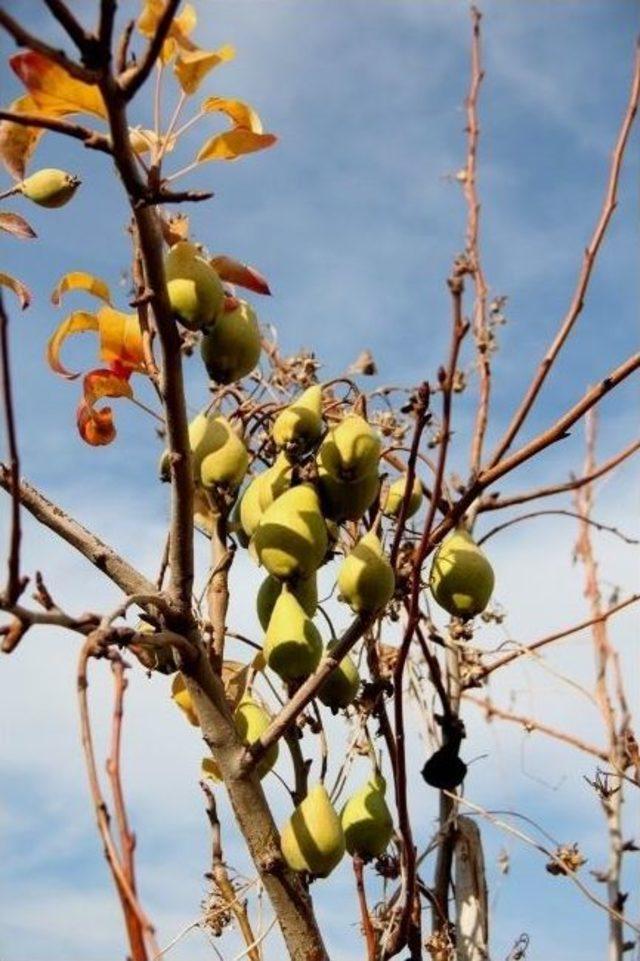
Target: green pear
{"x":312,"y":839}
{"x":366,"y":820}
{"x":250,"y":510}
{"x":235,"y":523}
{"x":366,"y":580}
{"x":300,"y":423}
{"x":251,"y":722}
{"x":351,"y":450}
{"x":461,"y":578}
{"x":49,"y":187}
{"x":181,"y":697}
{"x":275,"y":481}
{"x":195,"y":291}
{"x":227,"y":461}
{"x":341,"y":687}
{"x":395,"y":495}
{"x":291,"y":538}
{"x":306,"y":591}
{"x":292,"y":644}
{"x":231,"y":348}
{"x":347,"y":500}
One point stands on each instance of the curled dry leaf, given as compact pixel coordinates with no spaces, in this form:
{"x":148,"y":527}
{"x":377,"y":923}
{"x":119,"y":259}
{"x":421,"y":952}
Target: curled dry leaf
{"x":246,"y":135}
{"x":235,"y":272}
{"x":95,"y":425}
{"x":79,"y":280}
{"x":16,"y":225}
{"x":192,"y":66}
{"x":20,"y":290}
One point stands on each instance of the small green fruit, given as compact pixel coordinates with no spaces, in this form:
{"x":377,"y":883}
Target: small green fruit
{"x":291,"y":538}
{"x":461,"y":576}
{"x":227,"y":462}
{"x":306,"y":591}
{"x":395,"y":496}
{"x":49,"y":187}
{"x":366,"y":580}
{"x":231,"y":348}
{"x":351,"y":450}
{"x":366,"y":820}
{"x":195,"y":291}
{"x":341,"y":687}
{"x":292,"y":645}
{"x":300,"y":423}
{"x":312,"y":839}
{"x":347,"y":500}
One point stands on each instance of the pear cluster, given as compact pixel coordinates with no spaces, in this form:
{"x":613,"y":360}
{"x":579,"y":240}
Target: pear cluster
{"x":230,"y":344}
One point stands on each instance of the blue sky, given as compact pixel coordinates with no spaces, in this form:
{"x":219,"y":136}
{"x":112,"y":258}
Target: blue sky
{"x":355,"y":219}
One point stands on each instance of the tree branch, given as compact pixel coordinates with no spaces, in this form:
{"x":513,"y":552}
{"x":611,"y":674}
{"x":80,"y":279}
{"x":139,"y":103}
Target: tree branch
{"x":131,"y":81}
{"x":554,"y":513}
{"x":575,"y":308}
{"x":90,"y":138}
{"x":70,"y":25}
{"x":100,"y":554}
{"x":25,"y":39}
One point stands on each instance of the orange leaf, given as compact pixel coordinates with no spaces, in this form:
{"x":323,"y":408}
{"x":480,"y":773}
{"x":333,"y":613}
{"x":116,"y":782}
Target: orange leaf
{"x":235,"y":272}
{"x":96,"y":427}
{"x":52,"y":90}
{"x":16,"y":225}
{"x":79,"y":280}
{"x":192,"y":66}
{"x":18,"y":142}
{"x":76,"y":323}
{"x":120,"y":338}
{"x":20,"y":290}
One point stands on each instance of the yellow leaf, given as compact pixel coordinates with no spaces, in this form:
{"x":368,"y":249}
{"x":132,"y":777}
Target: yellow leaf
{"x":20,"y":290}
{"x":233,"y":144}
{"x":18,"y":142}
{"x":96,"y":427}
{"x":242,"y":114}
{"x":181,"y":27}
{"x":143,"y":140}
{"x":120,"y":338}
{"x":210,"y":770}
{"x":78,"y":280}
{"x":245,"y":137}
{"x":76,"y":323}
{"x":182,"y":698}
{"x":192,"y":66}
{"x":52,"y":90}
{"x":234,"y":680}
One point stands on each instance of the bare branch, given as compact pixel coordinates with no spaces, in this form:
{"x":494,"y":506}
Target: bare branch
{"x":15,"y":584}
{"x":100,"y":554}
{"x":575,"y":308}
{"x":554,"y":513}
{"x":70,"y":25}
{"x":90,"y":138}
{"x":131,"y":81}
{"x":23,"y":38}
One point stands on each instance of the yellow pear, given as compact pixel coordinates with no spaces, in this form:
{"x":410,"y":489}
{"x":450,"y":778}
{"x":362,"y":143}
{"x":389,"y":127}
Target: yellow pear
{"x":251,"y":721}
{"x":341,"y":687}
{"x":235,"y":523}
{"x":351,"y":450}
{"x":250,"y":510}
{"x":306,"y":592}
{"x":300,"y":424}
{"x":195,"y":291}
{"x":182,"y":698}
{"x":366,"y":820}
{"x":366,"y":580}
{"x":275,"y":481}
{"x":228,"y":458}
{"x":231,"y":348}
{"x":461,"y":576}
{"x":49,"y":187}
{"x":291,"y":538}
{"x":312,"y":839}
{"x":347,"y":500}
{"x":395,"y":495}
{"x":292,"y":644}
